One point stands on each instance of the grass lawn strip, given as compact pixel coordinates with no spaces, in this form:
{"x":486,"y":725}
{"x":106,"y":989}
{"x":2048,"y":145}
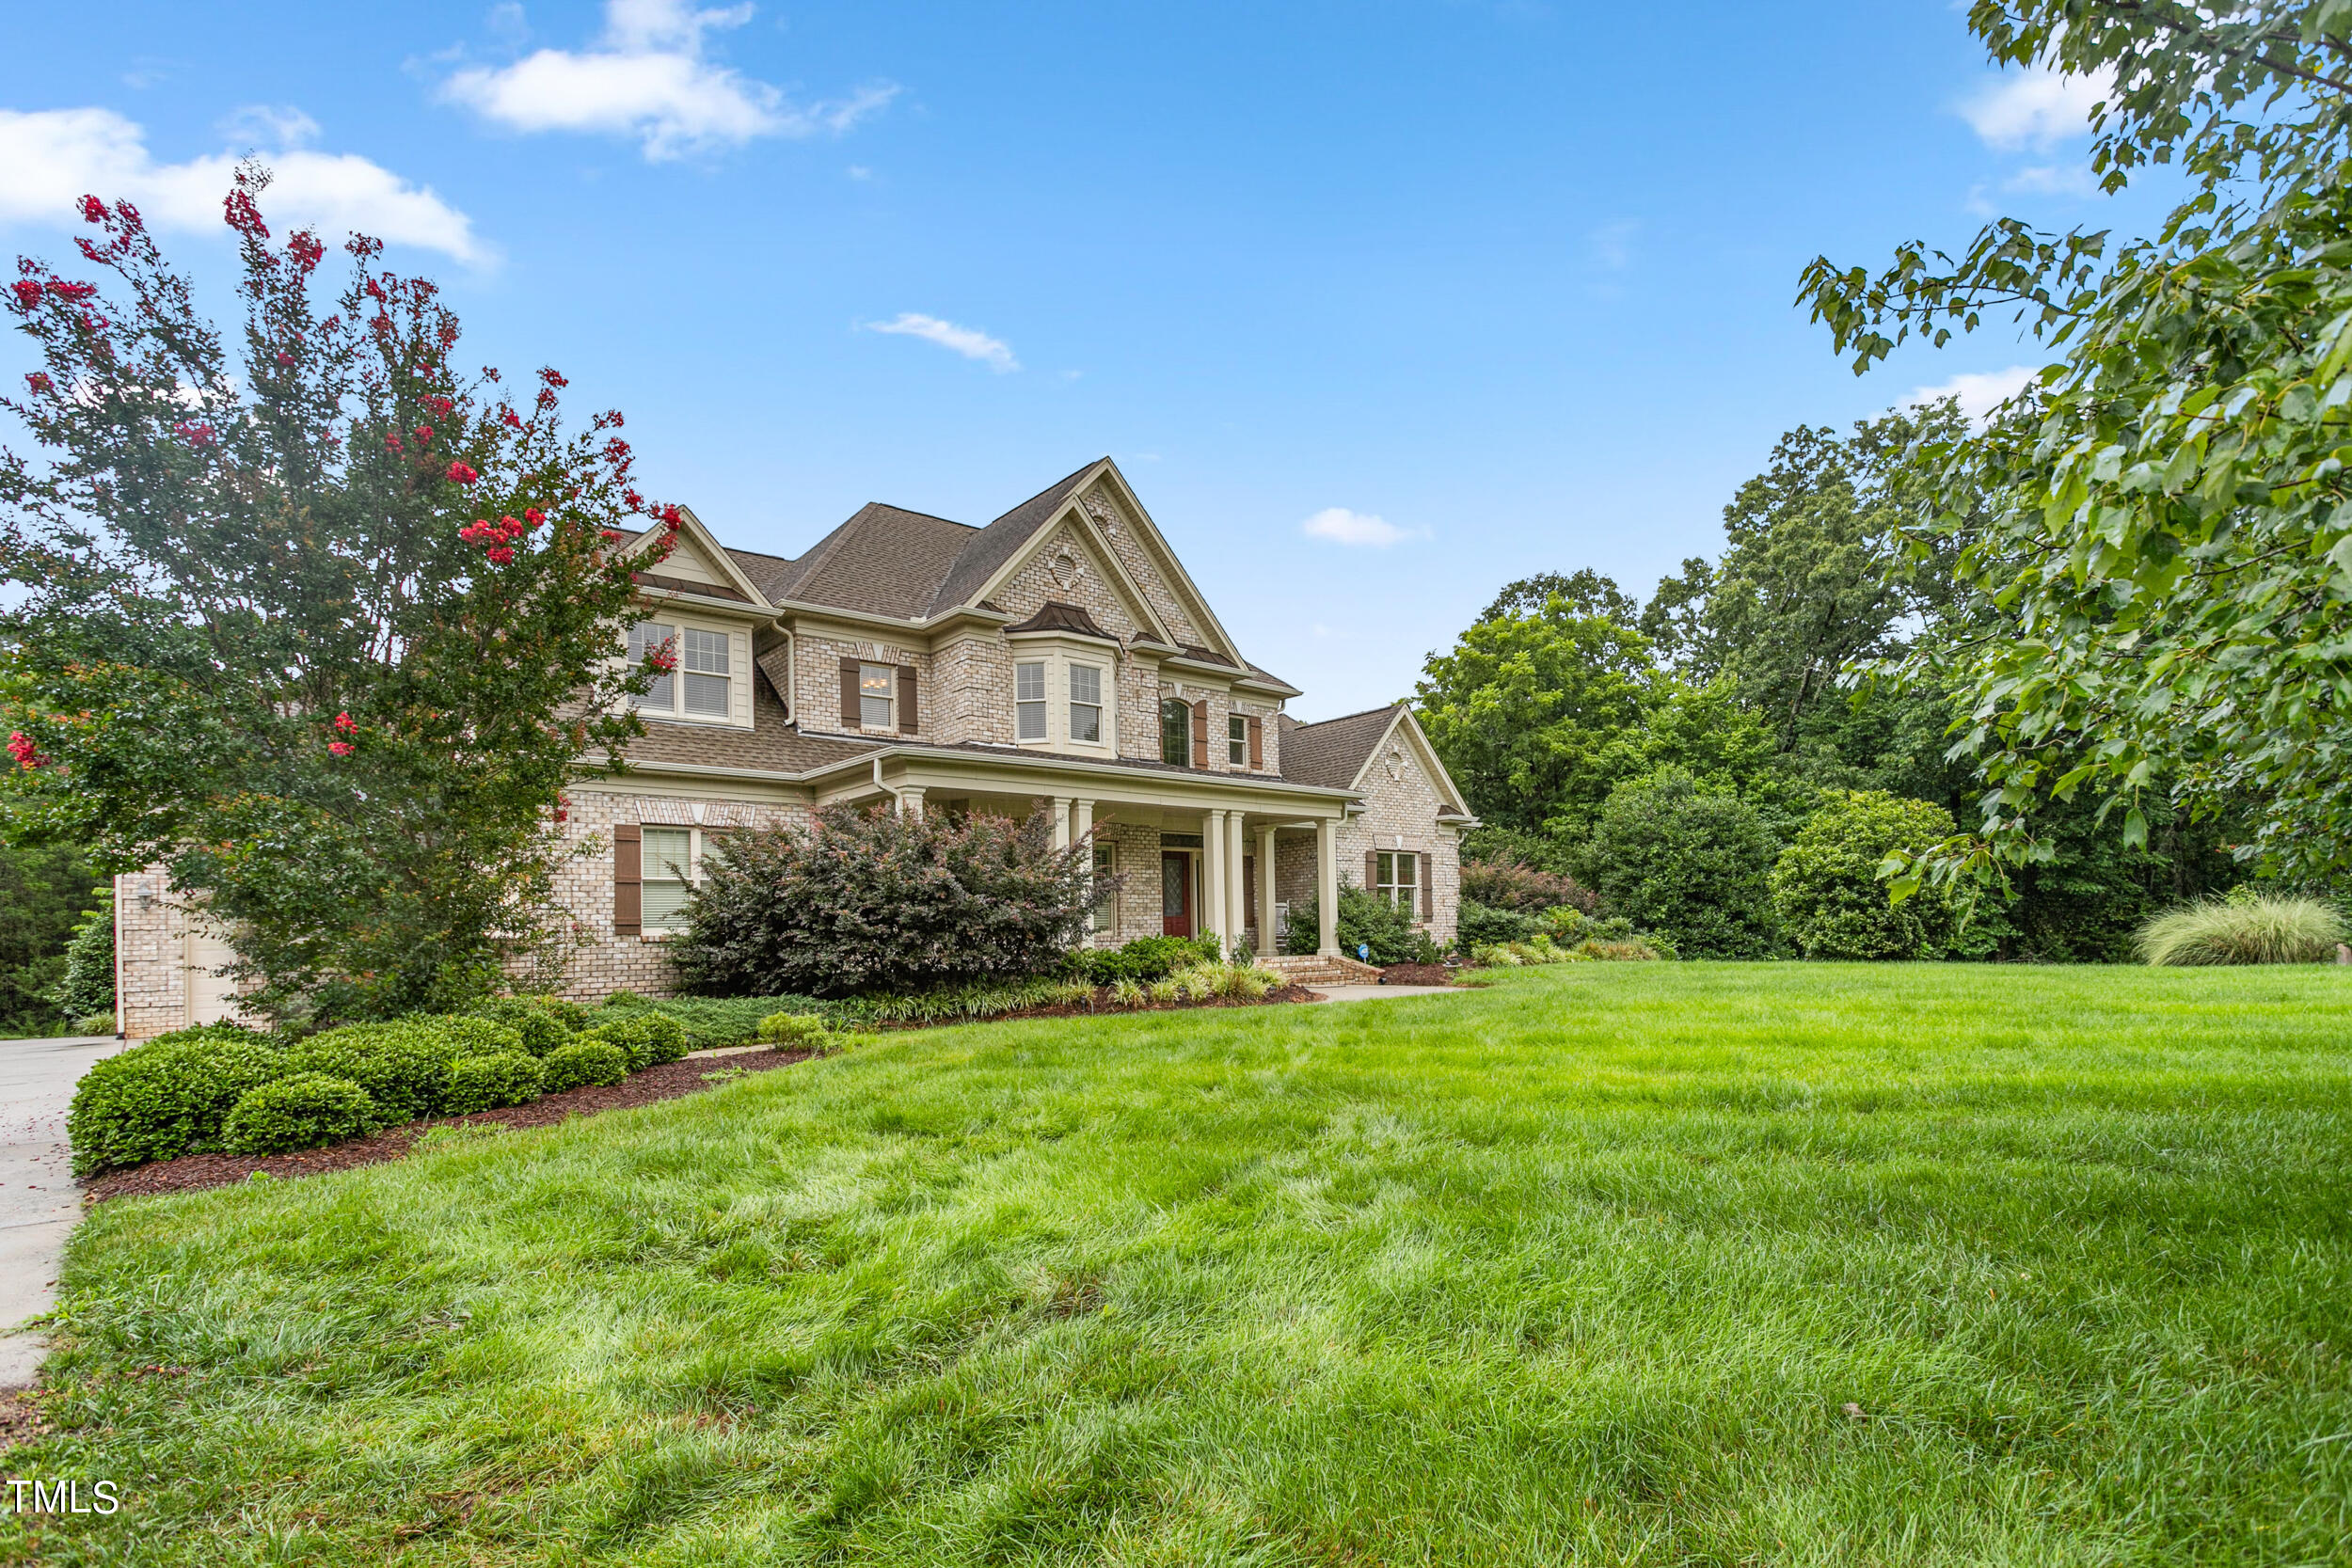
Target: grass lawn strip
{"x":1602,"y":1263}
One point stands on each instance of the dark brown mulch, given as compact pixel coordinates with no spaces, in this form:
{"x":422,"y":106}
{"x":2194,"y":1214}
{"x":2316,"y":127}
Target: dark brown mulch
{"x":191,"y":1172}
{"x":1102,"y":1005}
{"x":1418,"y":974}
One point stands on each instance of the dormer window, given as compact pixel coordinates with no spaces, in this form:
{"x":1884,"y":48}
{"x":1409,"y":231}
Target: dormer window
{"x":703,"y":660}
{"x":645,"y":638}
{"x":700,"y":682}
{"x":1085,"y":703}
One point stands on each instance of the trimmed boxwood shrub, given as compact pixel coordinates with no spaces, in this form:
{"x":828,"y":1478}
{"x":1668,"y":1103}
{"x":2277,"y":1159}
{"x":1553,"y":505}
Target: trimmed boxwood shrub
{"x":487,"y":1082}
{"x":301,"y":1112}
{"x":165,"y":1098}
{"x":1145,"y":958}
{"x":473,"y":1036}
{"x":535,"y":1025}
{"x":581,"y":1062}
{"x":404,"y":1067}
{"x":648,"y":1039}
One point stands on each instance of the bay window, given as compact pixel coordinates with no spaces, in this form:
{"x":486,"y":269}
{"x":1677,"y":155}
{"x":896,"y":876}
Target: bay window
{"x":1029,"y":692}
{"x":1085,"y":703}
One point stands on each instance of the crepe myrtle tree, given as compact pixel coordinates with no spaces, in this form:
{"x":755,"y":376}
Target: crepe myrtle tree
{"x":316,"y":623}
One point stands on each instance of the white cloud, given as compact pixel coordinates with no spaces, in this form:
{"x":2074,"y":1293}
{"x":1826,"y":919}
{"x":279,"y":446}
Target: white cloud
{"x":647,"y":78}
{"x":1342,"y":526}
{"x":1978,"y":394}
{"x":2052,"y":180}
{"x":2036,"y":107}
{"x":970,"y":342}
{"x":1612,"y":244}
{"x":51,"y":158}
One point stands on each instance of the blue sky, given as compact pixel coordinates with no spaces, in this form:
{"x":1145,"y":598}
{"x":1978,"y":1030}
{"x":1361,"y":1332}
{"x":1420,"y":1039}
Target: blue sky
{"x":1378,"y":306}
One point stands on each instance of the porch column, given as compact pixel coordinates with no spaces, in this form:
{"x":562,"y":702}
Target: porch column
{"x":1081,"y":820}
{"x":1236,"y":889}
{"x":1265,"y":892}
{"x":911,"y":801}
{"x":1061,"y":822}
{"x":1327,"y":886}
{"x":1212,"y":875}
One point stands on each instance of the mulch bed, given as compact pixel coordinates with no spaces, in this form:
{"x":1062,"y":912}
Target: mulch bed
{"x":193,"y":1172}
{"x":1418,"y":974}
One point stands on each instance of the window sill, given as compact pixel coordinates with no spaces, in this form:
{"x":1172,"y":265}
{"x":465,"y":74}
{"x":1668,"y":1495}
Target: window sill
{"x":698,"y":720}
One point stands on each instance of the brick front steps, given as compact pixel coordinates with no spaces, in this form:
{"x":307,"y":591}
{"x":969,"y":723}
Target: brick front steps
{"x":1318,"y":970}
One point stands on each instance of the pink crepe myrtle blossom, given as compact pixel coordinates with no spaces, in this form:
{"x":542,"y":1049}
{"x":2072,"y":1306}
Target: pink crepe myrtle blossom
{"x":459,"y":473}
{"x":501,"y":555}
{"x":39,"y":381}
{"x":344,"y":722}
{"x":195,"y":432}
{"x":27,"y":293}
{"x":664,"y":658}
{"x":424,"y":434}
{"x":340,"y":748}
{"x":21,"y":747}
{"x":93,"y":209}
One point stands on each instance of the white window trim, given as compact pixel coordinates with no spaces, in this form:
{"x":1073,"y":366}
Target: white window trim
{"x":1057,"y":656}
{"x":1237,"y":742}
{"x":890,"y":721}
{"x":1103,"y":914}
{"x":696,"y":847}
{"x":1402,"y":858}
{"x":739,"y":668}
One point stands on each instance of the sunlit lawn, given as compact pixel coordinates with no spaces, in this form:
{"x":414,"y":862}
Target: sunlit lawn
{"x":1610,"y":1264}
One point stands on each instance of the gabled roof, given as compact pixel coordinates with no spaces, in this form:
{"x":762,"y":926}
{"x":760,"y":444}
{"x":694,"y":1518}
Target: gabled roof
{"x":1334,"y":751}
{"x":988,"y":548}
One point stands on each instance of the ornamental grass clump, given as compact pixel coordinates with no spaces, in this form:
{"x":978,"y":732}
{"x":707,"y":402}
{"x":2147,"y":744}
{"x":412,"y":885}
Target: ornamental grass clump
{"x":2247,"y":930}
{"x":300,"y":1112}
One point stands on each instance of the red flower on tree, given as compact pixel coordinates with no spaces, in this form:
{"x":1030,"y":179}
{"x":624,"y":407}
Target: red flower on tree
{"x":196,"y":432}
{"x":22,"y":748}
{"x":340,"y":748}
{"x":27,"y":293}
{"x":93,"y":209}
{"x":39,"y":381}
{"x":344,"y":722}
{"x":459,"y":473}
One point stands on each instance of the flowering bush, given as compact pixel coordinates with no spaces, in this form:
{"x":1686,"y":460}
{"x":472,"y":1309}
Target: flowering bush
{"x":265,"y":633}
{"x":873,"y":901}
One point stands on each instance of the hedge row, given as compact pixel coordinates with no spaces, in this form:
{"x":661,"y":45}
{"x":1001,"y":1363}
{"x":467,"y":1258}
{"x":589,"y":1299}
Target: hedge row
{"x":224,"y":1087}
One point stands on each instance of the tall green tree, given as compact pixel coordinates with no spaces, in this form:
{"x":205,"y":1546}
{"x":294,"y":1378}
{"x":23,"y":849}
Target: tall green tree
{"x":316,"y":622}
{"x":45,"y":889}
{"x":1526,"y":707}
{"x":2168,"y":528}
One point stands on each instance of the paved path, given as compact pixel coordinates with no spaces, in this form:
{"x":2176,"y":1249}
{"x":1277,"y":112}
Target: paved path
{"x":38,"y":1201}
{"x":1377,"y":994}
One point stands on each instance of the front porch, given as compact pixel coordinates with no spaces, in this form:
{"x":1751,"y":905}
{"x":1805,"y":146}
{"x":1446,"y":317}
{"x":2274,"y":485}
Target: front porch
{"x":1196,"y":855}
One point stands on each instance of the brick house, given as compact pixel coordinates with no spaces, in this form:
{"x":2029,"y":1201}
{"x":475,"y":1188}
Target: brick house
{"x":1058,"y":659}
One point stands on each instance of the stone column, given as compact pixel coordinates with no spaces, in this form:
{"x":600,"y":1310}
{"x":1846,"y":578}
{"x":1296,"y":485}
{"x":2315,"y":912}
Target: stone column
{"x":911,"y":801}
{"x":1061,"y":822}
{"x":1236,"y":889}
{"x":1265,"y":893}
{"x":1328,"y":885}
{"x":1081,"y":820}
{"x":1213,"y":874}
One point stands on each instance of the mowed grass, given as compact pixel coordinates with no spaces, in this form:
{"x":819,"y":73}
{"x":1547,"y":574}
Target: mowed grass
{"x":1610,"y":1264}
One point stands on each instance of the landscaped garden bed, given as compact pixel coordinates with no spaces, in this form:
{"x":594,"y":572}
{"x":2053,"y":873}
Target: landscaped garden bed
{"x":667,"y":1081}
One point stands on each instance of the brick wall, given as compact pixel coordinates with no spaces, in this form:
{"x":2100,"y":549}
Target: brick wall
{"x":599,"y":962}
{"x":151,"y":975}
{"x":816,"y":680}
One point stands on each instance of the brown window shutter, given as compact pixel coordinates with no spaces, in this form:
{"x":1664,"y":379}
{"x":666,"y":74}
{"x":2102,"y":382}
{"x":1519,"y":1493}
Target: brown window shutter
{"x":1257,"y":744}
{"x":1372,"y":869}
{"x":1200,"y":732}
{"x":1428,"y":887}
{"x":906,"y":700}
{"x":849,"y":711}
{"x":629,"y":879}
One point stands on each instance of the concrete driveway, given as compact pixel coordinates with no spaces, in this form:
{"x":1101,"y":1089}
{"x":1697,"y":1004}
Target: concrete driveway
{"x":38,"y":1201}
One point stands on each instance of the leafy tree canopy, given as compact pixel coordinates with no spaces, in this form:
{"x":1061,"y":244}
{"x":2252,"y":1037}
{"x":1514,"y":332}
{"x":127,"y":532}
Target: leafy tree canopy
{"x":315,"y":621}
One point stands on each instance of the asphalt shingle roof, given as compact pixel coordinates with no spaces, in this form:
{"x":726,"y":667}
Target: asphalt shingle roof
{"x":994,"y":544}
{"x":770,"y":745}
{"x":1335,"y":751}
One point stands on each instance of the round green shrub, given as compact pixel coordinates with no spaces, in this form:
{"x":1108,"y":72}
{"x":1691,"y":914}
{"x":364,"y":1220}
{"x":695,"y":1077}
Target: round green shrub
{"x":792,"y":1029}
{"x":585,"y":1062}
{"x":487,"y":1082}
{"x":1687,"y":861}
{"x":300,"y":1112}
{"x":165,"y":1098}
{"x":404,"y":1067}
{"x":571,"y":1015}
{"x":1828,"y":896}
{"x":472,"y":1037}
{"x":649,"y":1038}
{"x":538,"y":1029}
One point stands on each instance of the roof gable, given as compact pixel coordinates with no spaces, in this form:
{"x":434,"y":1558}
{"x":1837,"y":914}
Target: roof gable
{"x":1340,"y":753}
{"x":697,"y":563}
{"x":989,"y":552}
{"x":884,"y":560}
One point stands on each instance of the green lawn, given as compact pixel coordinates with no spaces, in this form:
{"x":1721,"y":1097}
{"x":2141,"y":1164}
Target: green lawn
{"x":1611,"y":1263}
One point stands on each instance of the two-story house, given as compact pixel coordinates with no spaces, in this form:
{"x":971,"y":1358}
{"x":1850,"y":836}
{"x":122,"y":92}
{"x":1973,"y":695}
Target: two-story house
{"x":1058,"y":659}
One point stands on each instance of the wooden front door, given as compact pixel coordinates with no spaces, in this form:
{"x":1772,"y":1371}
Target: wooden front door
{"x":1175,"y":894}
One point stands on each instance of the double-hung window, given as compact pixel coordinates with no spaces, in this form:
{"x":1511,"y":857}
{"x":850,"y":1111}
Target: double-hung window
{"x":645,"y":638}
{"x":1029,"y":692}
{"x":877,"y":689}
{"x":704,"y":660}
{"x":1400,"y":879}
{"x":1176,"y":732}
{"x":1106,"y":887}
{"x":1237,"y":740}
{"x":1085,"y":703}
{"x":670,"y":875}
